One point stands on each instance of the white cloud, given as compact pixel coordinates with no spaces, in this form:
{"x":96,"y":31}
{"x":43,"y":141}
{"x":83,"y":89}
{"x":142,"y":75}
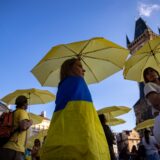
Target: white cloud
{"x":147,"y":9}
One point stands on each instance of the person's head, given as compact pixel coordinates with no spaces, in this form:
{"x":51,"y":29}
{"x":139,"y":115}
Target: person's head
{"x":21,"y":102}
{"x":147,"y":131}
{"x":102,"y":118}
{"x":150,"y":75}
{"x":37,"y":142}
{"x":71,"y":67}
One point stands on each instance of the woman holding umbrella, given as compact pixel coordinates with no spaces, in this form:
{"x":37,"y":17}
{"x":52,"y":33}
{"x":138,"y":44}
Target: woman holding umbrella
{"x":152,"y":93}
{"x":75,"y":131}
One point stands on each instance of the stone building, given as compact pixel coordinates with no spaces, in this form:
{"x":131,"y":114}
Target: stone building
{"x":128,"y":138}
{"x":143,"y":33}
{"x":44,"y":125}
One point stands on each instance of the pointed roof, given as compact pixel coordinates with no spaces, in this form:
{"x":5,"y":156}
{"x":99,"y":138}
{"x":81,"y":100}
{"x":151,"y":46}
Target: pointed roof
{"x":127,"y":40}
{"x":140,"y":27}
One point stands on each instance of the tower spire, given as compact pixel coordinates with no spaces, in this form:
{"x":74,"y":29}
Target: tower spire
{"x":140,"y":27}
{"x":127,"y":41}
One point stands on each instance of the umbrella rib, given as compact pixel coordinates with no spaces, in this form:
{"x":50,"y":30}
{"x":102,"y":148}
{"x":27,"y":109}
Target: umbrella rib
{"x":145,"y":64}
{"x":90,"y":70}
{"x":70,"y":49}
{"x":156,"y":59}
{"x":103,"y":60}
{"x":46,"y":78}
{"x":138,"y":60}
{"x":80,"y":53}
{"x":103,"y":49}
{"x":152,"y":51}
{"x":59,"y":57}
{"x":156,"y":46}
{"x":149,"y":46}
{"x":39,"y":98}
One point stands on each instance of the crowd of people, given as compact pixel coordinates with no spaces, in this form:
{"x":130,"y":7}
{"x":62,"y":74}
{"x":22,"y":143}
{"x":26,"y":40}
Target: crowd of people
{"x":76,"y":131}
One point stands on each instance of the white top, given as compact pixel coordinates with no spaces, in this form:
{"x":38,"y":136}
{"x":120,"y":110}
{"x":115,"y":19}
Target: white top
{"x":156,"y":130}
{"x":151,"y":147}
{"x":151,"y":87}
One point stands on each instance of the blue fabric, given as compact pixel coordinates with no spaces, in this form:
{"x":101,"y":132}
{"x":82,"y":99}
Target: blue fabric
{"x":73,"y":88}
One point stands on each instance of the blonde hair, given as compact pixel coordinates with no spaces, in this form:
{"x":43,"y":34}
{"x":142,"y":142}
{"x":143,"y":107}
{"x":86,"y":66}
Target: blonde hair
{"x":67,"y":67}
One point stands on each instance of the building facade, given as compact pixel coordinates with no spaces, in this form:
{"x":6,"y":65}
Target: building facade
{"x":44,"y":125}
{"x":127,"y":138}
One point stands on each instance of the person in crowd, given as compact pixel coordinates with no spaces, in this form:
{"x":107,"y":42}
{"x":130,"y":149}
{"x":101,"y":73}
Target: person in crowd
{"x":141,"y":150}
{"x":14,"y":149}
{"x":124,"y":153}
{"x":75,"y":131}
{"x":109,"y":135}
{"x":134,"y":153}
{"x":150,"y":145}
{"x":152,"y":93}
{"x":35,"y":150}
{"x":28,"y":154}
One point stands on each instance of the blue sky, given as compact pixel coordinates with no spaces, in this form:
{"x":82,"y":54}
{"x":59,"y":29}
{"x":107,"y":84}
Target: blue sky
{"x":28,"y":30}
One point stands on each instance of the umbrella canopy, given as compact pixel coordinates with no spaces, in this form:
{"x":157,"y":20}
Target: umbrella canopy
{"x":145,"y":124}
{"x":115,"y":121}
{"x":36,"y":96}
{"x":35,"y":118}
{"x":100,"y":58}
{"x":146,"y":56}
{"x":114,"y":111}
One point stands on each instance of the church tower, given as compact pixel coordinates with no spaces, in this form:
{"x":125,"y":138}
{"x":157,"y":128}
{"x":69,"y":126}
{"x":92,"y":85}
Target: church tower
{"x":142,"y":34}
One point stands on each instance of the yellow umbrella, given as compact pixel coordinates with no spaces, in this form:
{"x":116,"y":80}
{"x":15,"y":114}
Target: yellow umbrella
{"x":40,"y":136}
{"x":35,"y":118}
{"x":115,"y":121}
{"x":114,"y":110}
{"x":100,"y":58}
{"x":146,"y":56}
{"x":145,"y":124}
{"x":36,"y":96}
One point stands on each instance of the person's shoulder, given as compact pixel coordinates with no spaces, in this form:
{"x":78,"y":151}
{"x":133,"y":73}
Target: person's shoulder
{"x":20,"y":111}
{"x":150,"y":84}
{"x":152,"y":138}
{"x":151,"y":87}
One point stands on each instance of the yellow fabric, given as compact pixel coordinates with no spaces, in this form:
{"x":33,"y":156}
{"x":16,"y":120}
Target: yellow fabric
{"x":17,"y":141}
{"x":75,"y":133}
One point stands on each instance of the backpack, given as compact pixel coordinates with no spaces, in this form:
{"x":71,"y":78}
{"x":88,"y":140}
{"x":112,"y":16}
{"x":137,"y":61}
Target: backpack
{"x":6,"y":127}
